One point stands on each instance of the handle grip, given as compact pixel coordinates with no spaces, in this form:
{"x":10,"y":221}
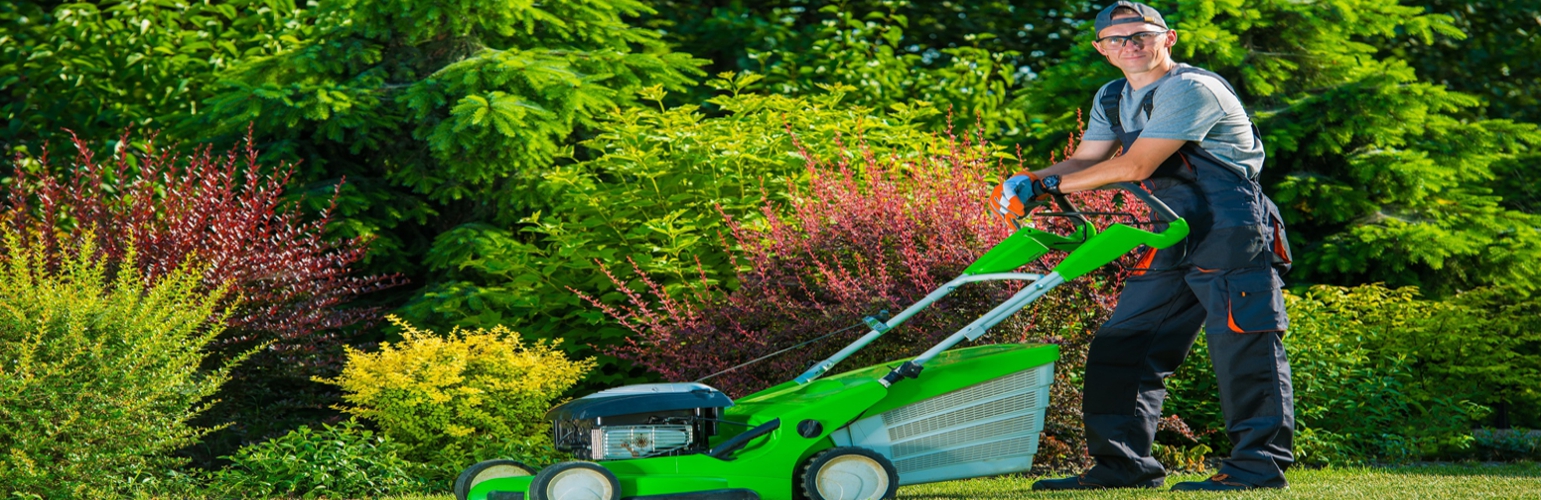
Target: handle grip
{"x":1162,"y":211}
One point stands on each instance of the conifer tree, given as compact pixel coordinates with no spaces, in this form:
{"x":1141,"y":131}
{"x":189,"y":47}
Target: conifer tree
{"x":439,"y":114}
{"x":1378,"y":176}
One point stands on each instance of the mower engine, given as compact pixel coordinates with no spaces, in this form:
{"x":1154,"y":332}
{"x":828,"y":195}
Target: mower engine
{"x":639,"y":421}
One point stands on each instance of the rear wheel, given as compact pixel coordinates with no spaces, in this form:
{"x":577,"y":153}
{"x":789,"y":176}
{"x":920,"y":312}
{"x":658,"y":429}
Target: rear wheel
{"x":575,"y":481}
{"x":849,"y":473}
{"x":488,"y":469}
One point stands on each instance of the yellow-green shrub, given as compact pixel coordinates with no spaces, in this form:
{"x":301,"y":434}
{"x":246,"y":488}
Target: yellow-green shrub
{"x":467,"y":396}
{"x":99,"y":374}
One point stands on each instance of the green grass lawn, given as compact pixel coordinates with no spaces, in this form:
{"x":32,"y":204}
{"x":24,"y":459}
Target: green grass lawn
{"x":1423,"y":481}
{"x":1442,"y":481}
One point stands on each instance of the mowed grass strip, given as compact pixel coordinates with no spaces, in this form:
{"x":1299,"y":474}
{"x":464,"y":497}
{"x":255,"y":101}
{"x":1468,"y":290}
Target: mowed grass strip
{"x":1379,"y":483}
{"x":1428,"y":481}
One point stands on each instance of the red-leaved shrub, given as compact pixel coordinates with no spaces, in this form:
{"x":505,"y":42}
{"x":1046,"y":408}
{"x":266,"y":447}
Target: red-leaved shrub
{"x":865,"y":236}
{"x":227,"y":212}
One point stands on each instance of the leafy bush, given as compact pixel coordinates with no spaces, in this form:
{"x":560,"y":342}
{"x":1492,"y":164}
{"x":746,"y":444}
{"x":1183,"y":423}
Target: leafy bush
{"x":464,"y":397}
{"x":345,"y":460}
{"x":229,"y":212}
{"x":865,"y":235}
{"x":1483,"y":344}
{"x":648,"y":193}
{"x":98,"y":376}
{"x":1357,"y":396}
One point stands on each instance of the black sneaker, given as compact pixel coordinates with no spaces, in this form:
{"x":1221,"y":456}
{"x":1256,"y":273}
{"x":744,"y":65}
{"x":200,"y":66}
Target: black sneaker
{"x":1082,"y":482}
{"x":1217,"y":482}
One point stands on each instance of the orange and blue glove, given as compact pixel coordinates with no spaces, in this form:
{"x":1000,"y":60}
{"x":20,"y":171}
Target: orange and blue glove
{"x":1017,"y":196}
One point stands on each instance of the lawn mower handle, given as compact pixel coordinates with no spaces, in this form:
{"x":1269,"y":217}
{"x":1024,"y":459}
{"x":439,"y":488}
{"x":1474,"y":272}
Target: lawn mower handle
{"x":1162,"y":212}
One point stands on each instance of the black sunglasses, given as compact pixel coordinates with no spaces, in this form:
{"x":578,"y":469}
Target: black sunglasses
{"x":1139,"y":39}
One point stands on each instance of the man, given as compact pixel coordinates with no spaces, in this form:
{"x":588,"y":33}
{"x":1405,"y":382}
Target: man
{"x":1185,"y":137}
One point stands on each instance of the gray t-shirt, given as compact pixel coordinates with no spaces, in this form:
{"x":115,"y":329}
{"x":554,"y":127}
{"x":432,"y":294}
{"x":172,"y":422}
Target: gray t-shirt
{"x":1189,"y":107}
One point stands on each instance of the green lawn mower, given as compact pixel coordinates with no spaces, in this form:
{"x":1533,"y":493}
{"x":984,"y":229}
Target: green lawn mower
{"x":857,"y":435}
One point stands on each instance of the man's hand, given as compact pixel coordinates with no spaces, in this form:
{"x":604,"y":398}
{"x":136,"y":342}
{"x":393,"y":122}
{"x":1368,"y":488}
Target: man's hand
{"x":1017,"y":196}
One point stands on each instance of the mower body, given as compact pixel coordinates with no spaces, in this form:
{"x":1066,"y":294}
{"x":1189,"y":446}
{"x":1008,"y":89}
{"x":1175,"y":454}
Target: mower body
{"x":974,"y":412}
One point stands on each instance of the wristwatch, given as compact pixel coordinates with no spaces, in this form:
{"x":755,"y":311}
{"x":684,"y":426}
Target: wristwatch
{"x":1051,"y":184}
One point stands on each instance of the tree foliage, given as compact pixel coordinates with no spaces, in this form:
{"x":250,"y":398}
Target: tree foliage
{"x":1378,"y":174}
{"x":442,"y":113}
{"x":98,"y":67}
{"x":1494,"y":58}
{"x":747,"y":36}
{"x":650,"y":193}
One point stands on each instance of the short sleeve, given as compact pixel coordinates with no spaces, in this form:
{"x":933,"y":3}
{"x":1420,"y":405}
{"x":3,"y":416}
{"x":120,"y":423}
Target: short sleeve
{"x":1098,"y":128}
{"x":1184,"y":109}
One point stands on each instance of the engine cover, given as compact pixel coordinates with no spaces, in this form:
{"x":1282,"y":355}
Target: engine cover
{"x":638,"y":421}
{"x":641,"y":399}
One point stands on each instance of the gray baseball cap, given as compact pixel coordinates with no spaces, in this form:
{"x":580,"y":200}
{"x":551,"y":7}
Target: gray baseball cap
{"x":1146,"y":15}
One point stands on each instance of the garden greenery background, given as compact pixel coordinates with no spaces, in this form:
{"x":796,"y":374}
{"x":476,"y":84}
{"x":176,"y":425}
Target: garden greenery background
{"x":650,"y":190}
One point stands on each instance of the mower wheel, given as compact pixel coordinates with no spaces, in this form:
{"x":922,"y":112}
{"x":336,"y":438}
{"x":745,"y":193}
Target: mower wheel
{"x":849,"y":473}
{"x":488,"y":469}
{"x":575,"y":481}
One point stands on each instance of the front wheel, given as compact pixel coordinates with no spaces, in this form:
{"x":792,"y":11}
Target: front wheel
{"x":849,"y":473}
{"x":488,"y":469}
{"x":575,"y":481}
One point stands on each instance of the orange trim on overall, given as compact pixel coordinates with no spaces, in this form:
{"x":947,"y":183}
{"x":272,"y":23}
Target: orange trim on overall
{"x":1144,"y":263}
{"x":1230,"y":319}
{"x":1185,"y":161}
{"x":1278,"y":245}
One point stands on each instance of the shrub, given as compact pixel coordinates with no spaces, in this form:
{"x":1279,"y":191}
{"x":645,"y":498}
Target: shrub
{"x":1507,"y":444}
{"x":345,"y":460}
{"x":460,"y":398}
{"x":98,"y":376}
{"x":1483,"y":344}
{"x":649,"y":193}
{"x":230,"y":212}
{"x":1357,"y":398}
{"x":865,"y":235}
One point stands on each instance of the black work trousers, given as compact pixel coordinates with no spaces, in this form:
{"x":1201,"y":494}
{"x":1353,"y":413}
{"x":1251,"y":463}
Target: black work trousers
{"x":1156,"y":322}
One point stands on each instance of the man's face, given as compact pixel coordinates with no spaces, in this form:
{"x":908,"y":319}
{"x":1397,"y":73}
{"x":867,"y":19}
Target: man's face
{"x":1133,"y":56}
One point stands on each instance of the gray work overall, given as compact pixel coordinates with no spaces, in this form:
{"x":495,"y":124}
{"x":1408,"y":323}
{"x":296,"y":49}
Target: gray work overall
{"x":1224,"y":278}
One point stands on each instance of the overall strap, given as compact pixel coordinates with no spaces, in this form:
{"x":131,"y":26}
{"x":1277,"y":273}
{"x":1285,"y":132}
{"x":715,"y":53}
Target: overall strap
{"x":1109,"y":101}
{"x":1115,"y":93}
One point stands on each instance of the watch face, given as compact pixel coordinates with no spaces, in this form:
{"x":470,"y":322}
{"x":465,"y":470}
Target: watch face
{"x":1051,"y":183}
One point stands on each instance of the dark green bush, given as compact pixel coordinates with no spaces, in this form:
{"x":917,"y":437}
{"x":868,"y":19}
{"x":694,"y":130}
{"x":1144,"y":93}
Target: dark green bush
{"x":1484,"y":344}
{"x":98,"y":375}
{"x":341,"y":461}
{"x":1506,"y":444}
{"x":1359,"y":393}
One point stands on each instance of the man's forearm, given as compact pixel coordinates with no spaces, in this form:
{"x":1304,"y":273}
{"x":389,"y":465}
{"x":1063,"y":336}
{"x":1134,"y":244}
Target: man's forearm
{"x":1068,"y":166}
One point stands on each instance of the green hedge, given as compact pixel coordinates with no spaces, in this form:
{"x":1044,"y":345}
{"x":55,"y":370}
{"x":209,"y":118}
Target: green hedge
{"x":1382,"y":375}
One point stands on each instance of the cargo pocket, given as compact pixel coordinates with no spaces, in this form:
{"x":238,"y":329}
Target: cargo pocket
{"x":1255,"y":303}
